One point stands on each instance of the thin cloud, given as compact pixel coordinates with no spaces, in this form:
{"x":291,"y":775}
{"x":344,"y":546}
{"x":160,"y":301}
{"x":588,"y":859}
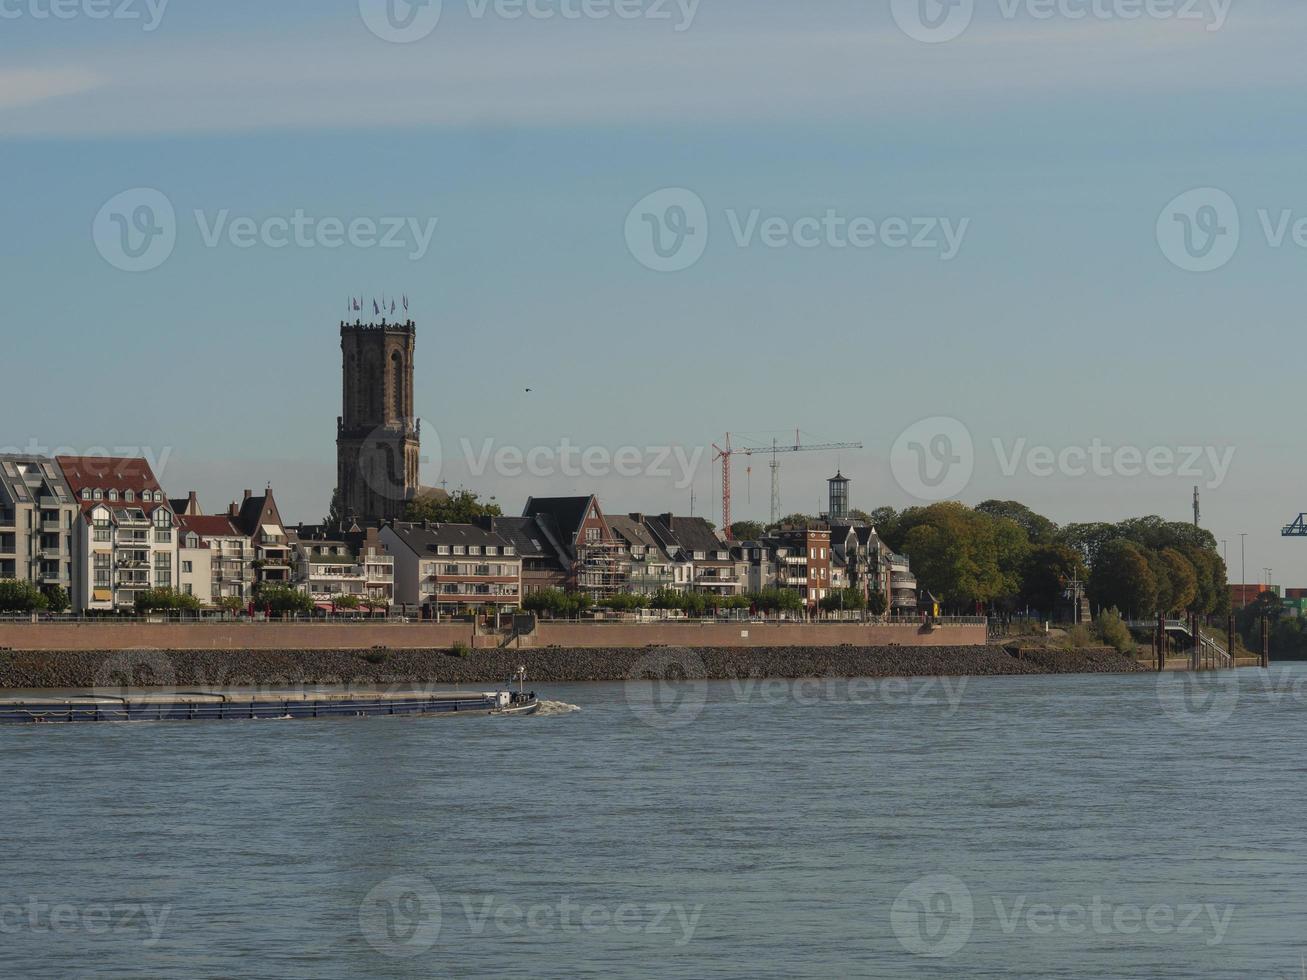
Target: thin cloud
{"x":580,"y":74}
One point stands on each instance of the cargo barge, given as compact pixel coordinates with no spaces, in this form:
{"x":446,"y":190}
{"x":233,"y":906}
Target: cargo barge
{"x":207,"y":706}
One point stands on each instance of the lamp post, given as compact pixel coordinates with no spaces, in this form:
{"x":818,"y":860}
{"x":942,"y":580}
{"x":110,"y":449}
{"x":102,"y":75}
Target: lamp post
{"x":1243,"y":570}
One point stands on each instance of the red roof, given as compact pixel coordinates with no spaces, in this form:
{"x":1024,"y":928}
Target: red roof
{"x":109,"y":473}
{"x":208,"y":526}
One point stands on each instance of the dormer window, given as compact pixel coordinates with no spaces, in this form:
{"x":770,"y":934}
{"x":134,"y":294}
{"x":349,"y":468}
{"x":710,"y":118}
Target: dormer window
{"x":113,"y":494}
{"x":491,"y":550}
{"x":86,"y":493}
{"x":130,"y":497}
{"x":99,"y":494}
{"x":474,"y":549}
{"x":459,"y":549}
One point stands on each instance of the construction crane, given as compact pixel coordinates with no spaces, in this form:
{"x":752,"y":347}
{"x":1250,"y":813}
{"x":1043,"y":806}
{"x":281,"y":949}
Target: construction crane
{"x":1298,"y":529}
{"x":726,"y":451}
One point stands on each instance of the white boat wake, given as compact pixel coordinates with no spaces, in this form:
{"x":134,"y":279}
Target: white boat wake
{"x":556,"y":708}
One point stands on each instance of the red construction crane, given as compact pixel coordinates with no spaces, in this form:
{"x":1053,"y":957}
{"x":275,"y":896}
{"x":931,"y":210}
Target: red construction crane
{"x":725,"y":451}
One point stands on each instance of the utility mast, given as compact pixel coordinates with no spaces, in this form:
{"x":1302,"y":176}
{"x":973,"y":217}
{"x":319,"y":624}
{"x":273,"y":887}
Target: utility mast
{"x":1197,"y":511}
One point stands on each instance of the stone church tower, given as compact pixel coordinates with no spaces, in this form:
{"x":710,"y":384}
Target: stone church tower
{"x":378,"y":435}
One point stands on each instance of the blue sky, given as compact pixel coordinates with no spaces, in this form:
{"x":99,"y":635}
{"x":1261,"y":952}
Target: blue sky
{"x":1060,"y":321}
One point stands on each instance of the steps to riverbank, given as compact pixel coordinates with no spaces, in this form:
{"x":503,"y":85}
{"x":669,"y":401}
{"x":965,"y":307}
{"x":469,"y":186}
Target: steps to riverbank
{"x":212,"y":669}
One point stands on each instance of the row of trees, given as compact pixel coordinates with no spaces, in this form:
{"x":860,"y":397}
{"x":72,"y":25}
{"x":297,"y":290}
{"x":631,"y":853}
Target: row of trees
{"x":24,"y":597}
{"x":1004,"y":557}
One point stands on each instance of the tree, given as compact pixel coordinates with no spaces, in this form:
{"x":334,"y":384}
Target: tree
{"x":21,"y":597}
{"x":165,"y":600}
{"x":282,"y":600}
{"x":1122,"y":578}
{"x":1184,"y":580}
{"x":1039,"y":529}
{"x":796,"y":520}
{"x":56,"y":598}
{"x":845,"y":600}
{"x":347,"y":602}
{"x":962,"y":555}
{"x":1112,"y":630}
{"x":556,"y":602}
{"x":461,"y":507}
{"x":231,"y":604}
{"x":777,"y":600}
{"x":1049,"y":571}
{"x":877,"y":604}
{"x":748,"y":530}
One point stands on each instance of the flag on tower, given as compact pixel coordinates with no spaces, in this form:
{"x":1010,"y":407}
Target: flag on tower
{"x":376,"y":310}
{"x":392,"y":307}
{"x":406,"y":302}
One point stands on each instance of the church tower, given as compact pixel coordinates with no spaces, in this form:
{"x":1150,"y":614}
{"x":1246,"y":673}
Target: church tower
{"x":377,"y":434}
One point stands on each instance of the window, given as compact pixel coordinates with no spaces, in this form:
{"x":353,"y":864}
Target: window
{"x":187,"y":589}
{"x":86,"y":493}
{"x":592,"y":534}
{"x":442,"y":549}
{"x":459,"y":549}
{"x":102,"y":570}
{"x":491,"y":550}
{"x":130,"y":496}
{"x":474,"y":549}
{"x":113,"y":494}
{"x":188,"y":568}
{"x":99,"y":494}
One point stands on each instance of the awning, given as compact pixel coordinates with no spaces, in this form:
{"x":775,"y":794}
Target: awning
{"x":102,"y":595}
{"x":272,"y":531}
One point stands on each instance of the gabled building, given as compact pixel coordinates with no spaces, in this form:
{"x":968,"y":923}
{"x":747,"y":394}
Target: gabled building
{"x":444,"y":569}
{"x":259,"y":520}
{"x":542,"y":562}
{"x":231,"y":553}
{"x":352,"y":562}
{"x":698,"y":553}
{"x":652,"y":569}
{"x":124,"y":540}
{"x":593,"y":559}
{"x":37,"y":516}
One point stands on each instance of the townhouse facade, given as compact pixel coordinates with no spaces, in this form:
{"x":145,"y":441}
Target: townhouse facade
{"x":38,"y":513}
{"x":351,"y":563}
{"x":231,"y":557}
{"x":593,"y":559}
{"x":451,"y":569}
{"x":124,"y":539}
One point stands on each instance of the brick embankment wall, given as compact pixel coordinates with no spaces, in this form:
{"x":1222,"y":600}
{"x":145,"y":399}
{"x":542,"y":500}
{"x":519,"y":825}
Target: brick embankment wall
{"x":426,"y":636}
{"x":215,"y":669}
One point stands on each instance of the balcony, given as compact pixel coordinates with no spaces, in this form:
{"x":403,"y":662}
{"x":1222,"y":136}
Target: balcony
{"x":7,"y":519}
{"x":50,"y":554}
{"x":51,"y":527}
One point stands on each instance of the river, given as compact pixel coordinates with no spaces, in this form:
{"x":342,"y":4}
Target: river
{"x":1034,"y":826}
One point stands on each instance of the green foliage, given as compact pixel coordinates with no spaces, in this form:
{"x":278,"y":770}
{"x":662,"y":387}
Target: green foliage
{"x":1122,"y":578}
{"x":1184,"y":580}
{"x":796,"y":520}
{"x":1039,"y":529}
{"x":231,"y":603}
{"x":845,"y":600}
{"x":748,"y":530}
{"x":777,"y":600}
{"x":1079,"y":636}
{"x":346,"y":602}
{"x":877,"y":603}
{"x":556,"y":602}
{"x":56,"y":598}
{"x":21,"y":597}
{"x":625,"y":602}
{"x":282,"y":600}
{"x":1048,"y":572}
{"x":165,"y":600}
{"x":461,"y":507}
{"x":962,"y":555}
{"x":1112,"y":630}
{"x":460,"y":649}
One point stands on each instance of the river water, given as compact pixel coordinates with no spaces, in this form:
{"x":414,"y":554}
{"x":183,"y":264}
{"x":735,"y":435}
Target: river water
{"x":1073,"y":826}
